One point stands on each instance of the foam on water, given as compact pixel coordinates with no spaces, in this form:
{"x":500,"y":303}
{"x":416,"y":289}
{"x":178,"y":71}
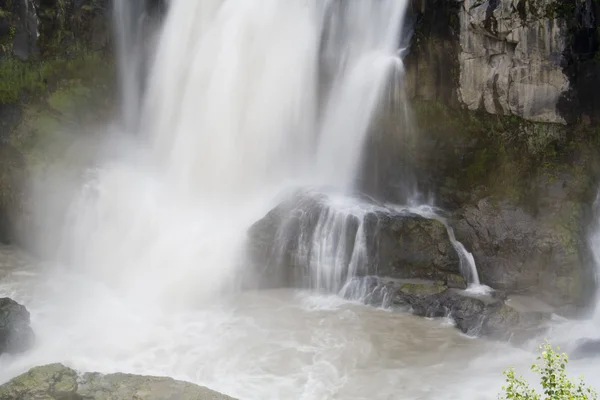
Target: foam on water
{"x":259,"y":345}
{"x":264,"y":345}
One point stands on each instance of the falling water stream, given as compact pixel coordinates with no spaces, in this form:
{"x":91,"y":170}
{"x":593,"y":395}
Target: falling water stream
{"x":244,"y":100}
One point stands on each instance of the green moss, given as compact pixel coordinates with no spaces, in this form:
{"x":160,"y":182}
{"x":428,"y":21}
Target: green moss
{"x":51,"y":381}
{"x":504,"y":157}
{"x":46,"y":131}
{"x":19,"y":78}
{"x":422,"y":289}
{"x":455,"y":281}
{"x":22,"y":79}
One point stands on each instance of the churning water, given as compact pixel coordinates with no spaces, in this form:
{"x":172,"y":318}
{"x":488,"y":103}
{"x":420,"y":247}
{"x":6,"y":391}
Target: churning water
{"x":244,"y":99}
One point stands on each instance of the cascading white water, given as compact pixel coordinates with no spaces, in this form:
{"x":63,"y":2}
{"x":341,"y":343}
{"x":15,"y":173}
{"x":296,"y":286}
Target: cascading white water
{"x":467,"y":261}
{"x":364,"y":61}
{"x":128,"y":21}
{"x":229,"y":118}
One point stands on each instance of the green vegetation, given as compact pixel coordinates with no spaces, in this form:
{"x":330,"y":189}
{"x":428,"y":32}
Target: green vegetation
{"x":25,"y":78}
{"x":504,"y":157}
{"x":552,"y":369}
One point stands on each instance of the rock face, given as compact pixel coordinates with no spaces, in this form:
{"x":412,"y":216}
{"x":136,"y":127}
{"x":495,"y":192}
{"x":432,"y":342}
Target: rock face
{"x":506,"y":119}
{"x":30,"y":29}
{"x":512,"y":58}
{"x":292,"y":244}
{"x":531,"y":59}
{"x":57,"y":382}
{"x":519,"y":252}
{"x":16,"y":335}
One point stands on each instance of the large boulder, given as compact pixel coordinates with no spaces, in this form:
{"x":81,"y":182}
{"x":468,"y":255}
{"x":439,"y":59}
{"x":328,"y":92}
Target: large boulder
{"x":57,"y":382}
{"x":16,"y":336}
{"x":544,"y":255}
{"x":307,"y":235}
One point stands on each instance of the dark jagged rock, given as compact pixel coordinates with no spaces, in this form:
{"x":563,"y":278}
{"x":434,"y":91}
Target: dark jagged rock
{"x":16,"y":336}
{"x":397,"y":245}
{"x":408,"y":246}
{"x":57,"y":382}
{"x":474,"y":315}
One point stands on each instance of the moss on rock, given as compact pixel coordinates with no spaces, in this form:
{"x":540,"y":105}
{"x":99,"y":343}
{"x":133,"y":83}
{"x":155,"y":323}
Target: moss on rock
{"x":422,"y":289}
{"x":57,"y":382}
{"x":50,"y":382}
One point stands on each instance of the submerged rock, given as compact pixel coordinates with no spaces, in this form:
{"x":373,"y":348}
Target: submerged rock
{"x":55,"y":381}
{"x":308,"y":241}
{"x":16,"y":336}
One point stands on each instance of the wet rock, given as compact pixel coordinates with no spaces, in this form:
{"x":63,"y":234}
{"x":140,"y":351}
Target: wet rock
{"x":16,"y":336}
{"x":586,"y":348}
{"x":55,"y":381}
{"x":504,"y":322}
{"x":474,"y":315}
{"x":273,"y":241}
{"x":543,"y":255}
{"x":288,"y":245}
{"x":408,"y":246}
{"x":455,"y":282}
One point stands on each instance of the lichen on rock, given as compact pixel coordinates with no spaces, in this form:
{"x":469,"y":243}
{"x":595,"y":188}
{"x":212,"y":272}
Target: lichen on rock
{"x":58,"y":382}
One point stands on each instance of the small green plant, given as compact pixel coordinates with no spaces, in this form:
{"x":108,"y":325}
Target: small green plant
{"x":552,"y":369}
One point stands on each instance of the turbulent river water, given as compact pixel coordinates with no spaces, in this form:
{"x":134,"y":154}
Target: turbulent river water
{"x":244,"y":100}
{"x":278,"y":344}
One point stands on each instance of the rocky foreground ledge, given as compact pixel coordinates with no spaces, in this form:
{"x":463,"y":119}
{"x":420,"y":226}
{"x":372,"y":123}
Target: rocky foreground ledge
{"x":57,"y":382}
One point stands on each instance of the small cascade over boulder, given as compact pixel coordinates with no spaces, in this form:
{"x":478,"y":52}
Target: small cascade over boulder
{"x":321,"y":241}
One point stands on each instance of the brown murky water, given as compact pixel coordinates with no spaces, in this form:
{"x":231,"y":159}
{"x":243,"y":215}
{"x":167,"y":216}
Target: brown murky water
{"x":279,"y":344}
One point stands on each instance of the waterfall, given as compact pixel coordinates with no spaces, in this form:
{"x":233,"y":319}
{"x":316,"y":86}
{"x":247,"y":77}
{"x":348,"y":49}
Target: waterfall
{"x":128,"y":21}
{"x":243,"y":99}
{"x":362,"y":44}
